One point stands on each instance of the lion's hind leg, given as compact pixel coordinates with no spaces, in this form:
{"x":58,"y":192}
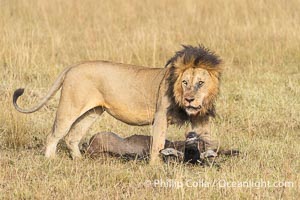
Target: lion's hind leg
{"x":60,"y":128}
{"x":63,"y":122}
{"x":79,"y":129}
{"x":72,"y":119}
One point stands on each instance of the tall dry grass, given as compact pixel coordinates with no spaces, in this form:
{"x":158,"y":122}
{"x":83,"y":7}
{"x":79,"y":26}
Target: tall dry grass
{"x":258,"y":109}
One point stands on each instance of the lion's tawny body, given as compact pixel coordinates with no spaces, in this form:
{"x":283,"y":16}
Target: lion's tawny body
{"x":110,"y":91}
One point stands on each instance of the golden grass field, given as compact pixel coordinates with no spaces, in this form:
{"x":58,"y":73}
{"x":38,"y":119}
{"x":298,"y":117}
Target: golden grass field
{"x":258,"y":108}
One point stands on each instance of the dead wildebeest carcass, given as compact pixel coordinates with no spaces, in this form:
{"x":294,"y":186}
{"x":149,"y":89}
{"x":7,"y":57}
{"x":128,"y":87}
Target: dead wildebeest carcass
{"x":193,"y":150}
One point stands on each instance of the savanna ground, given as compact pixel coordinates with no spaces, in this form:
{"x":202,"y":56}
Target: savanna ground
{"x":258,"y":108}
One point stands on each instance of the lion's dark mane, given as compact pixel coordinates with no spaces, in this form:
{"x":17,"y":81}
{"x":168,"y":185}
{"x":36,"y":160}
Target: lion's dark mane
{"x":199,"y":56}
{"x":176,"y":112}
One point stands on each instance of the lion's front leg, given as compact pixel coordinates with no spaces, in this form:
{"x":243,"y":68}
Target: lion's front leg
{"x":201,"y":125}
{"x":159,"y":135}
{"x":159,"y":129}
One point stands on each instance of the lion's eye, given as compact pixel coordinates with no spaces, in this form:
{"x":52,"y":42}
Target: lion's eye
{"x":184,"y":82}
{"x":200,"y":83}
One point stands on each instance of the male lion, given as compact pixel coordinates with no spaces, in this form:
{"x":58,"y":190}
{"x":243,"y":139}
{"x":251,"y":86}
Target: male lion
{"x":184,"y":91}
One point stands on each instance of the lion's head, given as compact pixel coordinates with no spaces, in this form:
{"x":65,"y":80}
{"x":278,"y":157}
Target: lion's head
{"x":193,"y":81}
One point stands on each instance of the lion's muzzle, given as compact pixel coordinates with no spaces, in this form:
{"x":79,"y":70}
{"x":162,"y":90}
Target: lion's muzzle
{"x":192,"y":110}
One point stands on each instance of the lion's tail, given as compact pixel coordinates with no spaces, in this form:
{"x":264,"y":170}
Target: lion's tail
{"x":55,"y":87}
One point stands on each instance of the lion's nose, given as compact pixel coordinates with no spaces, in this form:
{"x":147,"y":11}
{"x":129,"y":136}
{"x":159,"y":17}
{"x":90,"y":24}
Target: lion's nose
{"x":189,"y":99}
